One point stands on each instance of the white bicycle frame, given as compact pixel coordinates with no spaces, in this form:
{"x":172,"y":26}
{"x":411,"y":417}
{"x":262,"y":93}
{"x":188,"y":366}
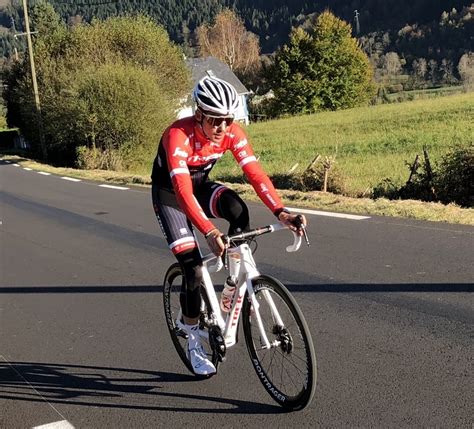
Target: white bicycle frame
{"x":242,"y":267}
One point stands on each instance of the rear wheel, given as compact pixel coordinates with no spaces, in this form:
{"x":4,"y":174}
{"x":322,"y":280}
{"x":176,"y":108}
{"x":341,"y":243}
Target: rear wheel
{"x":172,"y":287}
{"x":287,"y":369}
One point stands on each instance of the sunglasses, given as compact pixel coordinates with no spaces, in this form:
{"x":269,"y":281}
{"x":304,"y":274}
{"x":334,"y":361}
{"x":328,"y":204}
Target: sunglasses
{"x":216,"y":122}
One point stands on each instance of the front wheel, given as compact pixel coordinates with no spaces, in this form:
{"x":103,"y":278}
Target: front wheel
{"x":287,"y":369}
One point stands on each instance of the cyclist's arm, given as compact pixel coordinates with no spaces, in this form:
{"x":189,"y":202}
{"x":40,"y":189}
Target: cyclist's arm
{"x":177,"y":152}
{"x":244,"y":155}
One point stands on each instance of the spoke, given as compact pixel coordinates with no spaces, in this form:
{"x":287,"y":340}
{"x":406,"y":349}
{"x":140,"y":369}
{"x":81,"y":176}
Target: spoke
{"x":289,"y":375}
{"x":281,"y":372}
{"x":302,"y":359}
{"x":293,"y":364}
{"x":271,"y":360}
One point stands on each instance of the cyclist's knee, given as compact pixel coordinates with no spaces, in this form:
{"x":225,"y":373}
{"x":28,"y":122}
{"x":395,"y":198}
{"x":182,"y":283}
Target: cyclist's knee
{"x":234,"y":210}
{"x":191,"y":265}
{"x":193,"y":276}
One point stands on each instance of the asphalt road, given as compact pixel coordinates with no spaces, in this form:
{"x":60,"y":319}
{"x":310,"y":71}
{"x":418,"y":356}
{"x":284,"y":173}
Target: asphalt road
{"x":83,"y":339}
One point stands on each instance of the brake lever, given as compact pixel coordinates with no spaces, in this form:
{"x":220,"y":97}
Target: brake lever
{"x":225,"y":255}
{"x":302,"y":227}
{"x":305,"y":235}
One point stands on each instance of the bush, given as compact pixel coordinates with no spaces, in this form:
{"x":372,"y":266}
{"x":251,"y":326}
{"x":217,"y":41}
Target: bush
{"x":455,"y":177}
{"x":96,"y":159}
{"x":3,"y":118}
{"x":450,"y":181}
{"x":386,"y":189}
{"x":312,"y":178}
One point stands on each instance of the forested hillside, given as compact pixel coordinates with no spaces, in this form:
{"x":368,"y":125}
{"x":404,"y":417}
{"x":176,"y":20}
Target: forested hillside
{"x":411,"y":44}
{"x":271,"y":21}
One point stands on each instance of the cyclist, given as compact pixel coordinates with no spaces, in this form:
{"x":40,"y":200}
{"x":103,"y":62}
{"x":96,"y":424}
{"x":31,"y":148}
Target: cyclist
{"x":183,"y":196}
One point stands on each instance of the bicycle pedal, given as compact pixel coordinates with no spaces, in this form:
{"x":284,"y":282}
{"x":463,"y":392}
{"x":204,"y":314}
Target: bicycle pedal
{"x":180,"y":333}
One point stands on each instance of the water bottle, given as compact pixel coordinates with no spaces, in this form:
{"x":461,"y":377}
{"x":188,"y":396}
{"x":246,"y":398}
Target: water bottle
{"x":227,"y":294}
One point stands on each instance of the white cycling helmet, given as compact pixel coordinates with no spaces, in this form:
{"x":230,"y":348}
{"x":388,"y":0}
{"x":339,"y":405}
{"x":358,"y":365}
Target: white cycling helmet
{"x":216,"y":96}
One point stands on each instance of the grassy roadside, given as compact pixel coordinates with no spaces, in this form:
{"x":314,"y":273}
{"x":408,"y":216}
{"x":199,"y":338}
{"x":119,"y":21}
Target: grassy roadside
{"x":316,"y":200}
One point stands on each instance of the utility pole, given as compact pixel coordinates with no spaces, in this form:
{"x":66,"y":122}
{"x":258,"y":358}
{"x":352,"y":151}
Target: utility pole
{"x":35,"y":84}
{"x":356,"y":19}
{"x":15,"y":50}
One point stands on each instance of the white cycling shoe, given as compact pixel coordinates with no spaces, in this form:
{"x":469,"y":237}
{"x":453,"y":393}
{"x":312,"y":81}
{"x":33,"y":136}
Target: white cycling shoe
{"x":195,"y":352}
{"x":200,"y":362}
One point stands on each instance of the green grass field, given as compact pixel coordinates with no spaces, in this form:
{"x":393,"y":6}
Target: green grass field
{"x":420,"y":94}
{"x":370,"y":143}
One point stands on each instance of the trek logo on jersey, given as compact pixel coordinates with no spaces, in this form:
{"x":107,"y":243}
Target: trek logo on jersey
{"x":180,"y":152}
{"x":272,"y":201}
{"x":202,"y":159}
{"x":241,"y":144}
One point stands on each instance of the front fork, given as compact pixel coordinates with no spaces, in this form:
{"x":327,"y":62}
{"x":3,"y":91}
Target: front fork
{"x":255,"y":306}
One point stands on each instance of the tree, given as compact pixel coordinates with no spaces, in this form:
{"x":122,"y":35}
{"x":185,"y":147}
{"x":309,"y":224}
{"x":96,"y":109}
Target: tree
{"x":109,"y":88}
{"x":44,"y":18}
{"x":432,"y":71}
{"x":466,"y":70}
{"x":391,"y":64}
{"x":228,"y":40}
{"x":446,"y":69}
{"x":3,"y":119}
{"x":322,"y":67}
{"x":420,"y":68}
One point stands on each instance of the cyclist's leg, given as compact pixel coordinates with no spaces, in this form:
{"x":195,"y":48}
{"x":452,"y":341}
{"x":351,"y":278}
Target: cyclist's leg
{"x":190,"y":298}
{"x":179,"y":235}
{"x":182,"y":242}
{"x":218,"y":201}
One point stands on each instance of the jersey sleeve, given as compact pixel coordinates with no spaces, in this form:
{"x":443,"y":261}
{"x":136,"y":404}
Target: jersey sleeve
{"x":244,"y":155}
{"x":177,"y":149}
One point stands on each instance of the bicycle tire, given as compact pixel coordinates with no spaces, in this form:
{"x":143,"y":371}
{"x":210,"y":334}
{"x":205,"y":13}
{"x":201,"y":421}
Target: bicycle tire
{"x":293,"y":388}
{"x":171,"y":303}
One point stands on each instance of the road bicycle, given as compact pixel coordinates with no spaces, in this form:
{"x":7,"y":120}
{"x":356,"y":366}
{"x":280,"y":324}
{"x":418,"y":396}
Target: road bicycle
{"x":276,"y":333}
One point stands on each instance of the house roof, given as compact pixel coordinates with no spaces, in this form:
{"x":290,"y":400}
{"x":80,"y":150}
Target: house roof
{"x":200,"y":67}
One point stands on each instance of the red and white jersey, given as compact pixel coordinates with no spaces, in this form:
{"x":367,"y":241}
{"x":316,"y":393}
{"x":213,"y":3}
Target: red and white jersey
{"x":185,"y":158}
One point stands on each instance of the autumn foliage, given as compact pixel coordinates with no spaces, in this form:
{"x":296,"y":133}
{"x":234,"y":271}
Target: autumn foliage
{"x":228,"y":40}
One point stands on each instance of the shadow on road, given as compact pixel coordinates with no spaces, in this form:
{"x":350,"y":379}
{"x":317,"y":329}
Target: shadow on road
{"x":113,"y":388}
{"x":326,"y":288}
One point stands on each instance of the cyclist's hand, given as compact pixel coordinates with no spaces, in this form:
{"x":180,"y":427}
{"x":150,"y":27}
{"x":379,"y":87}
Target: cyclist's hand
{"x":296,"y":222}
{"x":214,"y":241}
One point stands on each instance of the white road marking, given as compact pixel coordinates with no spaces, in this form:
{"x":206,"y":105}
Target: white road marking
{"x":113,"y":187}
{"x":71,"y":179}
{"x":63,"y":424}
{"x":16,"y":165}
{"x":44,"y":173}
{"x":27,"y":169}
{"x":330,"y":214}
